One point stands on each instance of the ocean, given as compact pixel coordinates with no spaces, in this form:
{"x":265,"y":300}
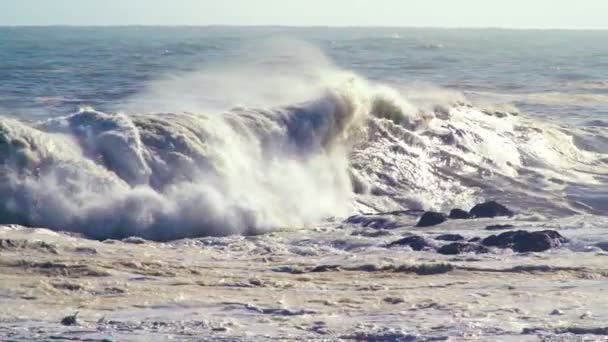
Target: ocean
{"x":268,"y":183}
{"x":515,"y":115}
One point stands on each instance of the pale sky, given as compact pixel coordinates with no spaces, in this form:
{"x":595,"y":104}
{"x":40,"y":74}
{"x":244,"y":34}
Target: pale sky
{"x":571,"y":14}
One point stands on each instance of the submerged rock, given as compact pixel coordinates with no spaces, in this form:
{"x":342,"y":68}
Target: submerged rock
{"x":583,"y":331}
{"x":376,"y":222}
{"x":490,"y":209}
{"x":522,"y":241}
{"x":450,"y":237}
{"x":500,"y":227}
{"x":462,"y":247}
{"x":415,"y":242}
{"x":459,"y":214}
{"x":431,"y":218}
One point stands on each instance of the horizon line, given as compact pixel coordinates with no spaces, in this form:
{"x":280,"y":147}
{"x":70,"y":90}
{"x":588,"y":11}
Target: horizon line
{"x":302,"y":26}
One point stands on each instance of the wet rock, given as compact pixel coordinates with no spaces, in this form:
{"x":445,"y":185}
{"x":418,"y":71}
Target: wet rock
{"x":450,"y":237}
{"x":556,"y":312}
{"x":490,"y":209}
{"x":426,"y":269}
{"x":371,"y":234}
{"x":462,"y":247}
{"x":522,"y":241}
{"x":530,"y":331}
{"x":375,"y":222}
{"x":393,"y":300}
{"x":67,"y":286}
{"x":415,"y":242}
{"x":288,"y":269}
{"x":430,"y":218}
{"x":500,"y":227}
{"x":475,"y":239}
{"x":70,"y":320}
{"x":538,"y":241}
{"x":459,"y":214}
{"x":602,"y":331}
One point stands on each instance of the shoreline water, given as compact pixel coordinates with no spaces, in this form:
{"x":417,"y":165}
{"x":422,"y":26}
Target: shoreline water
{"x":335,"y":281}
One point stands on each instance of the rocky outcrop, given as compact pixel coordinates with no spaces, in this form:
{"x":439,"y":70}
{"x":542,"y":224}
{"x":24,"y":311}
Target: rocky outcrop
{"x":462,"y":247}
{"x":459,"y":214}
{"x":450,"y":237}
{"x":522,"y":241}
{"x":490,"y":209}
{"x":500,"y":227}
{"x":415,"y":242}
{"x":430,"y":218}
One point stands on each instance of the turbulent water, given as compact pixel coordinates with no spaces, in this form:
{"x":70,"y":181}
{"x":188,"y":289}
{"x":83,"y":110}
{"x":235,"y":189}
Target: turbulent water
{"x":182,"y":132}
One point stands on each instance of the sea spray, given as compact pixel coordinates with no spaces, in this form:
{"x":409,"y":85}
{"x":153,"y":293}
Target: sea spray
{"x":302,"y":146}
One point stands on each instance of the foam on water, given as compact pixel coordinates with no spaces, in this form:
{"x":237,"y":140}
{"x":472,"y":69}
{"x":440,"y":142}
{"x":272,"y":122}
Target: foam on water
{"x":319,"y":142}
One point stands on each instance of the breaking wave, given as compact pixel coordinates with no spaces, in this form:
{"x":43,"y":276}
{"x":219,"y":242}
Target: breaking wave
{"x":351,"y":146}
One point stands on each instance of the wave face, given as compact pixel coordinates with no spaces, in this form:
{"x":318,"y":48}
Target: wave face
{"x":166,"y":176}
{"x":344,"y":145}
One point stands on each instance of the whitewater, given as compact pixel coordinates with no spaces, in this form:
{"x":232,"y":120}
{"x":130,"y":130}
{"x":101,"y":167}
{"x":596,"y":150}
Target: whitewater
{"x":230,"y":184}
{"x":353,"y":146}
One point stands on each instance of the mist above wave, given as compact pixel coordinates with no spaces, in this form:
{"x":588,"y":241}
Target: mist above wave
{"x":309,"y":141}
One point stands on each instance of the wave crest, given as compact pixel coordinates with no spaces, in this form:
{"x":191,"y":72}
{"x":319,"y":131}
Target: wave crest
{"x":354,"y":146}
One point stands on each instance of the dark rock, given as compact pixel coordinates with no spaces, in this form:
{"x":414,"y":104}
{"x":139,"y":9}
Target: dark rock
{"x":462,"y":247}
{"x":459,"y":214}
{"x":288,"y":269}
{"x":523,"y":241}
{"x":600,"y":331}
{"x":475,"y":239}
{"x":70,"y":320}
{"x":415,"y":242}
{"x":430,"y":218}
{"x":500,"y":227}
{"x":530,"y":331}
{"x":375,"y":222}
{"x":393,"y":300}
{"x":450,"y":237}
{"x":536,"y":242}
{"x":371,"y":233}
{"x":490,"y":209}
{"x":67,"y":286}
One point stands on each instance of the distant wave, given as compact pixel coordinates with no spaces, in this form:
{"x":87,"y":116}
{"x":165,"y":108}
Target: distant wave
{"x":354,"y":146}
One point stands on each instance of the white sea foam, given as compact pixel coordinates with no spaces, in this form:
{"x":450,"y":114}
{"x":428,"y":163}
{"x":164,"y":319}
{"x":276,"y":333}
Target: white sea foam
{"x":308,"y":141}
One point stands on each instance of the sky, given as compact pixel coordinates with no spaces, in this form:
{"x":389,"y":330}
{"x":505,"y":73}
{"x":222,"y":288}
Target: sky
{"x":568,"y":14}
